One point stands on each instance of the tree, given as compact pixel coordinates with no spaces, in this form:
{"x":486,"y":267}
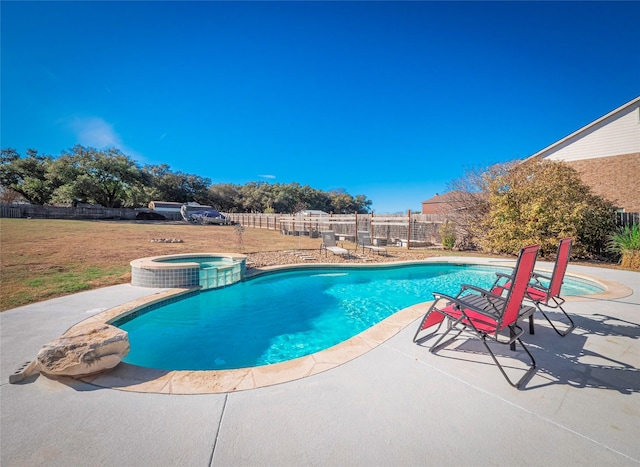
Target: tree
{"x":177,"y":187}
{"x":468,"y":203}
{"x":7,"y":195}
{"x":255,"y":196}
{"x":342,"y":202}
{"x":27,"y":176}
{"x":89,"y":175}
{"x":363,"y":204}
{"x":224,"y":197}
{"x":110,"y":178}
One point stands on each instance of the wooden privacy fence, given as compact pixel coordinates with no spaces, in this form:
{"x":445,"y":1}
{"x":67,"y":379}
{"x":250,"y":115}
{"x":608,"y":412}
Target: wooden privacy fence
{"x":398,"y":230}
{"x":35,"y":211}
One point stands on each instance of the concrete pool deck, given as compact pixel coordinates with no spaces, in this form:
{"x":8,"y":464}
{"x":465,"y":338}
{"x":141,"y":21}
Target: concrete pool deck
{"x":395,"y":404}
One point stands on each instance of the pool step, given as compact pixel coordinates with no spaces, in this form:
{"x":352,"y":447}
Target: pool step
{"x":302,"y":255}
{"x":364,"y":259}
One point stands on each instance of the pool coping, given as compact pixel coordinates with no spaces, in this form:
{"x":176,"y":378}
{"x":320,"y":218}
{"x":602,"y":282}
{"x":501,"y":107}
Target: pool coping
{"x":156,"y":262}
{"x":127,"y":377}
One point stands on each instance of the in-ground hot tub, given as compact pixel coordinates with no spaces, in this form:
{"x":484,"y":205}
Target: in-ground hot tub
{"x":207,"y":270}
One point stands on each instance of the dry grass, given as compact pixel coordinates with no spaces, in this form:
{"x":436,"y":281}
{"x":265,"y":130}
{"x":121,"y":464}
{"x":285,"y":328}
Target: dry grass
{"x":41,"y":259}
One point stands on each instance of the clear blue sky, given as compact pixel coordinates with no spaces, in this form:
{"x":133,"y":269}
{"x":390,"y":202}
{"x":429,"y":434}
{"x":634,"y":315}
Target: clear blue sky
{"x":387,"y":99}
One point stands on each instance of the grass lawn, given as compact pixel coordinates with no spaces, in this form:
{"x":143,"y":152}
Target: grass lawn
{"x":42,"y":259}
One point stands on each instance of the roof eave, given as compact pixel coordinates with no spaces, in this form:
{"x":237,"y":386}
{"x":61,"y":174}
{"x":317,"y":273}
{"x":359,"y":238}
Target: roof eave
{"x":584,"y":128}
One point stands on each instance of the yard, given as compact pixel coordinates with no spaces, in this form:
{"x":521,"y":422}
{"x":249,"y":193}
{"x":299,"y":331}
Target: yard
{"x":42,"y":259}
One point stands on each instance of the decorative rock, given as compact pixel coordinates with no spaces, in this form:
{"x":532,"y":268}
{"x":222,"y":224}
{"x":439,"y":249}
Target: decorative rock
{"x":86,"y":349}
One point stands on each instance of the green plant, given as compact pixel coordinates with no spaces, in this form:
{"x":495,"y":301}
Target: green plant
{"x":448,"y":234}
{"x":538,"y":203}
{"x":625,"y":241}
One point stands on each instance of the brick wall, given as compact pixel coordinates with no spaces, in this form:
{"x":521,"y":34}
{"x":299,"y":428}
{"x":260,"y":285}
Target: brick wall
{"x":617,"y":178}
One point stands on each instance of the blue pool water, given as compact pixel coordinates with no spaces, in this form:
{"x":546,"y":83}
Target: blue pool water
{"x":204,"y":262}
{"x":285,"y":315}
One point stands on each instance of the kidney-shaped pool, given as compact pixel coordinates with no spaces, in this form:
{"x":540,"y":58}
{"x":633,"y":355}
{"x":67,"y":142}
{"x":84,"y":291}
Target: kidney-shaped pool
{"x":292,"y":313}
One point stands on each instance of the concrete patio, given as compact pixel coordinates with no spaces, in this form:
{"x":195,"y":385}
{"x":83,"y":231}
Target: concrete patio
{"x":396,"y":404}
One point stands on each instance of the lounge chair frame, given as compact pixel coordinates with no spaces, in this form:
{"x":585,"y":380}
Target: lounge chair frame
{"x":485,"y":315}
{"x":329,"y":244}
{"x":363,"y":239}
{"x":545,"y":295}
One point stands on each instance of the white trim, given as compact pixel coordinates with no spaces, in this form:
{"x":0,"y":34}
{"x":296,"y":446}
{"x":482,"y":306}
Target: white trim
{"x":587,"y":127}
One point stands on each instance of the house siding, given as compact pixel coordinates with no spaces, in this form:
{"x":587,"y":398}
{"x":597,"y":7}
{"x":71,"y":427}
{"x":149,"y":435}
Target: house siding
{"x":606,"y":154}
{"x":617,"y":134}
{"x":616,"y":178}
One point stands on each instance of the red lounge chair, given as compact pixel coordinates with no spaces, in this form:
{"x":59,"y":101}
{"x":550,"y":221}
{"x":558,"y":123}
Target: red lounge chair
{"x":484,"y":314}
{"x":541,"y":294}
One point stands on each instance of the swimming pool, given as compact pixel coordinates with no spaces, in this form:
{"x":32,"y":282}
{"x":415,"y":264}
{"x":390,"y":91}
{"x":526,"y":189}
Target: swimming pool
{"x":286,"y":315}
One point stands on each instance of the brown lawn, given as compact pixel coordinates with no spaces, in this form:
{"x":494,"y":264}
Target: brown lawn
{"x":42,"y":259}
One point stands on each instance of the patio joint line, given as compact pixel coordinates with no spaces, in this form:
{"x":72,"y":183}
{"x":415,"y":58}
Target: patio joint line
{"x":215,"y":441}
{"x":548,"y":420}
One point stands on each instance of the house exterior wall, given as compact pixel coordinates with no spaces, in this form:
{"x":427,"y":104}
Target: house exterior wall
{"x":441,"y":204}
{"x":432,"y":208}
{"x":606,"y":154}
{"x":616,"y":178}
{"x":617,"y":134}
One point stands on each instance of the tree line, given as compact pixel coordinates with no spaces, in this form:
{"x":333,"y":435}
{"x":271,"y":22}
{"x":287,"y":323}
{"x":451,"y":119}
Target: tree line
{"x":499,"y":208}
{"x":112,"y":179}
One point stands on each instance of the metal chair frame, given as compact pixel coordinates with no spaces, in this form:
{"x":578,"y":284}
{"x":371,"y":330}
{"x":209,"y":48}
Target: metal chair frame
{"x":541,"y":295}
{"x":329,"y":244}
{"x":364,"y":239}
{"x":485,"y":314}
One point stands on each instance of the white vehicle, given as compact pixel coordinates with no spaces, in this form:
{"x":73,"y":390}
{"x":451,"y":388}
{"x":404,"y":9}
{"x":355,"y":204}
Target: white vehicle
{"x":204,"y":217}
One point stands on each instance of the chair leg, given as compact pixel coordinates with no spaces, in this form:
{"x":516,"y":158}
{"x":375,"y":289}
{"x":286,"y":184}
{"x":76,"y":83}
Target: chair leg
{"x":438,"y":343}
{"x":482,"y":337}
{"x":528,"y":373}
{"x":531,"y":331}
{"x":571,"y":325}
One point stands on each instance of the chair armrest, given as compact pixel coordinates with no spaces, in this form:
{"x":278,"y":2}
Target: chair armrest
{"x":526,"y":311}
{"x":502,"y":275}
{"x":537,"y":275}
{"x":488,"y":293}
{"x":537,"y":283}
{"x":462,"y":305}
{"x":502,"y":279}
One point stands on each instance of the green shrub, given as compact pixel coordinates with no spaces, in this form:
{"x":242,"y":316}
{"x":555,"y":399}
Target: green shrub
{"x":539,"y":203}
{"x":625,"y":242}
{"x":448,"y":234}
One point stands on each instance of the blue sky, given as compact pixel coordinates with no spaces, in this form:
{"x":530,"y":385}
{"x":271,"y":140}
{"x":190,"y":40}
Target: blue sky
{"x":387,"y":99}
